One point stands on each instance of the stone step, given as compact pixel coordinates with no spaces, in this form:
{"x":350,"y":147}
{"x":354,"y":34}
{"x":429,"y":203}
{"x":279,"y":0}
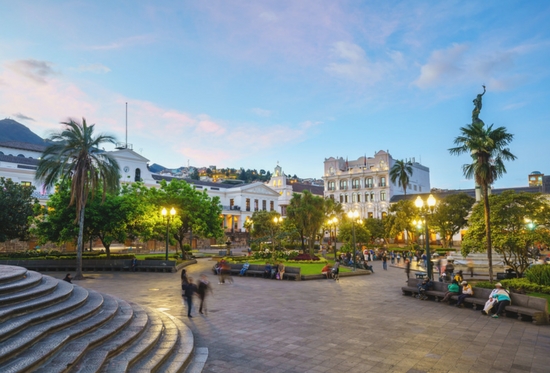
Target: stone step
{"x":72,"y":299}
{"x":111,"y":319}
{"x":198,"y":360}
{"x":30,"y":279}
{"x":94,"y":360}
{"x":51,"y":336}
{"x":141,"y":346}
{"x":61,"y":292}
{"x":47,"y":285}
{"x":162,"y":349}
{"x":11,"y":273}
{"x":182,"y":356}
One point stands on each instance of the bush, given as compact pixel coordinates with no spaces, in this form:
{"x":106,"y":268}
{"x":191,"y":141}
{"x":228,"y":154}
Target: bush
{"x":539,"y":274}
{"x":170,"y":257}
{"x":517,"y":285}
{"x":301,"y":257}
{"x":187,"y":247}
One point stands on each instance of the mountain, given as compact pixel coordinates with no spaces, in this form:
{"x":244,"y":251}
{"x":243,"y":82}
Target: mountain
{"x":11,"y":130}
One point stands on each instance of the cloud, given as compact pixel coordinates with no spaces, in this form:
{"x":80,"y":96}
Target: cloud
{"x":261,"y":112}
{"x":123,"y":43}
{"x":514,"y":106}
{"x":96,"y":68}
{"x":35,"y":70}
{"x":442,"y":64}
{"x":353,"y":63}
{"x":23,"y":117}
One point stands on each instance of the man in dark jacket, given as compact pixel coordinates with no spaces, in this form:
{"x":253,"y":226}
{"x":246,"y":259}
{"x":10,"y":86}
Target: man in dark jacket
{"x":203,"y":288}
{"x":189,"y":290}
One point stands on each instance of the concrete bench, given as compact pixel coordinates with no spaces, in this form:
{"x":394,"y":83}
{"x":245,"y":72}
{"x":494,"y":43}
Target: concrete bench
{"x":156,"y":266}
{"x":523,"y":306}
{"x":254,"y":270}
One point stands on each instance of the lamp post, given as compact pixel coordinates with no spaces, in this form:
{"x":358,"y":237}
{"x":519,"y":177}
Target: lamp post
{"x":168,"y":217}
{"x":332,"y":223}
{"x":418,"y":224}
{"x":425,"y":211}
{"x":353,"y":215}
{"x":277,"y":220}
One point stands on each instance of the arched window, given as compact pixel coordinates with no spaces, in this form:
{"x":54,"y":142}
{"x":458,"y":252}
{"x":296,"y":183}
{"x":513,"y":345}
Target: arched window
{"x":345,"y":198}
{"x":20,"y":155}
{"x":137,"y":175}
{"x":382,"y":181}
{"x":382,"y":196}
{"x":368,"y":182}
{"x":331,"y":185}
{"x":354,"y":197}
{"x":341,"y":198}
{"x":355,"y":184}
{"x":358,"y":197}
{"x":372,"y":196}
{"x":343,"y":184}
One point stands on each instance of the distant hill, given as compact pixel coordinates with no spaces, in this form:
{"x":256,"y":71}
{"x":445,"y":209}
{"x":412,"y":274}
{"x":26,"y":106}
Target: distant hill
{"x":11,"y":130}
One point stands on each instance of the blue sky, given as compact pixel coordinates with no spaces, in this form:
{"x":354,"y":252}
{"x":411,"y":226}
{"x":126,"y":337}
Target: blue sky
{"x":249,"y":83}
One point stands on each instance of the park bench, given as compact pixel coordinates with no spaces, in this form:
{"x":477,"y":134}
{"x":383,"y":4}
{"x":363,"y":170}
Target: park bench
{"x":254,"y":270}
{"x":523,"y":306}
{"x":156,"y":266}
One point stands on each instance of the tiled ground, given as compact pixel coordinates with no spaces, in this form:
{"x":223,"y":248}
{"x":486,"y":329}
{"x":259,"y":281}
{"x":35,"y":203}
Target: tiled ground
{"x":361,"y":324}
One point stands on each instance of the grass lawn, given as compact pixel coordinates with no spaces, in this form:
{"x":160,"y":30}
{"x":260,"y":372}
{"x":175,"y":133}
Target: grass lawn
{"x":307,"y":268}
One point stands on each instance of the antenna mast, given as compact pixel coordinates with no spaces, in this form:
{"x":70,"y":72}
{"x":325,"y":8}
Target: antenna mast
{"x":126,"y":125}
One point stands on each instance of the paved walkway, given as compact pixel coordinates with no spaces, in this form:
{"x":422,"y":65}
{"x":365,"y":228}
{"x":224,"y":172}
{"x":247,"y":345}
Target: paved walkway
{"x":361,"y":324}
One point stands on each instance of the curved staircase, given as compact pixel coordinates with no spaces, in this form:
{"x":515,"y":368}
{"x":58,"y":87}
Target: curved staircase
{"x":47,"y":326}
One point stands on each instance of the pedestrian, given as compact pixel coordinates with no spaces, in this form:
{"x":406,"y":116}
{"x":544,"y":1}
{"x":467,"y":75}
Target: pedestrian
{"x":385,"y":262}
{"x":398,"y":258}
{"x":189,"y":290}
{"x":281,"y":271}
{"x":408,"y":268}
{"x":184,"y":279}
{"x":203,"y":288}
{"x":68,"y":278}
{"x":471,"y":267}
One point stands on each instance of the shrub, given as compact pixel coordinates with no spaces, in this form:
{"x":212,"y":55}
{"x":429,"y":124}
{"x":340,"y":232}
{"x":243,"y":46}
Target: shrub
{"x":187,"y":247}
{"x":539,"y":274}
{"x":301,"y":257}
{"x":517,"y":285}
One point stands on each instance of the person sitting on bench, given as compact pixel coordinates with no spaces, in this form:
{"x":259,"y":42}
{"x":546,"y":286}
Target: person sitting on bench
{"x":267,"y":270}
{"x":453,"y":289}
{"x":502,"y":298}
{"x":425,"y":285}
{"x":467,"y":291}
{"x":245,"y":267}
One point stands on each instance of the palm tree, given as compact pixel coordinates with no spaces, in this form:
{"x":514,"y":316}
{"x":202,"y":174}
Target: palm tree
{"x":400,"y":172}
{"x":488,"y":148}
{"x":74,"y":155}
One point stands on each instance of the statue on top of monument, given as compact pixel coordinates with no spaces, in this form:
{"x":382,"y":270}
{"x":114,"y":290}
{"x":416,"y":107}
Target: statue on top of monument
{"x":477,"y":107}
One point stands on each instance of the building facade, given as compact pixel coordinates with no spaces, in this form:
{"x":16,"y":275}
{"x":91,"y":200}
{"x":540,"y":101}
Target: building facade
{"x":364,"y":185}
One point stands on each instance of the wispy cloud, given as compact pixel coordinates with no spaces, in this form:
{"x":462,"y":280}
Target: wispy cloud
{"x":261,"y":112}
{"x":353,"y":63}
{"x":23,"y":117}
{"x":37,"y":71}
{"x":96,"y":68}
{"x":123,"y":43}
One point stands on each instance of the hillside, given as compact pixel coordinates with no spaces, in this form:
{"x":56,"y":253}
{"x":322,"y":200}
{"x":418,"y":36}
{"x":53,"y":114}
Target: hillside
{"x":11,"y":130}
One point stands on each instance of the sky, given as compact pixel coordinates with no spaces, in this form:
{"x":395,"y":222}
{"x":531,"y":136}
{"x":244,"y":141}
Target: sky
{"x":248,"y":84}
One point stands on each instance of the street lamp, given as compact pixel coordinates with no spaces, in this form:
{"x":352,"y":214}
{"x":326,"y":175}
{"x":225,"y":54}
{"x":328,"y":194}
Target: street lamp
{"x":332,"y":222}
{"x":418,"y":224}
{"x":353,"y":215}
{"x":425,"y":211}
{"x":277,"y":220}
{"x":168,"y":217}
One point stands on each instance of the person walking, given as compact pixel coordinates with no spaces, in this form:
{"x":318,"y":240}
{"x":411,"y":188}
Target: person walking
{"x":408,"y":268}
{"x":189,"y":290}
{"x":385,"y":262}
{"x":203,"y":288}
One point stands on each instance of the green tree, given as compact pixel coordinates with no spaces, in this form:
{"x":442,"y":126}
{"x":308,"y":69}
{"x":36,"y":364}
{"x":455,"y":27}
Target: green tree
{"x":345,"y":232}
{"x":403,"y":212}
{"x":518,"y":221}
{"x":197,"y":213}
{"x":16,"y":207}
{"x":194,"y":175}
{"x":488,"y":149}
{"x":307,"y":212}
{"x":400,"y":174}
{"x":450,"y":216}
{"x":264,"y":227}
{"x":75,"y":154}
{"x":376,"y":229}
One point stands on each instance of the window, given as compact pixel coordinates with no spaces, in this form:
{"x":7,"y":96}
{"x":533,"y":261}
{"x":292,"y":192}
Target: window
{"x":370,"y":215}
{"x":358,"y":197}
{"x":341,"y":198}
{"x":420,"y":188}
{"x":368,"y":182}
{"x":331,"y":171}
{"x":248,"y":204}
{"x":264,"y":205}
{"x":343,"y":184}
{"x":354,"y":197}
{"x":331,"y":197}
{"x":26,"y":183}
{"x":137,"y":175}
{"x":372,"y":196}
{"x":415,"y":187}
{"x":331,"y":185}
{"x":231,"y":203}
{"x":355,"y":184}
{"x":256,"y":205}
{"x":345,"y":198}
{"x":366,"y":197}
{"x":382,"y":181}
{"x":271,"y":206}
{"x":382,"y":196}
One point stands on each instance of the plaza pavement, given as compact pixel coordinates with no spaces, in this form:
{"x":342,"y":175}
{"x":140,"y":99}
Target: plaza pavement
{"x":360,"y":324}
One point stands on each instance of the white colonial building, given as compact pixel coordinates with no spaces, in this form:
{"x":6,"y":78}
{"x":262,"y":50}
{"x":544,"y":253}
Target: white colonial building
{"x":364,"y":185}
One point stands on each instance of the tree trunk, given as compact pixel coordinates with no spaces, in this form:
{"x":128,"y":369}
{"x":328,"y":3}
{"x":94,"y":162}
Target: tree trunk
{"x":488,"y":230}
{"x":303,"y":243}
{"x":79,"y":245}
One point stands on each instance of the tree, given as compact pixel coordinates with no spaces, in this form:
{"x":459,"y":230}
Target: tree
{"x":194,"y":175}
{"x":196,"y":212}
{"x":16,"y":207}
{"x":404,"y":212}
{"x":264,"y":227}
{"x":376,"y":229}
{"x":450,"y":216}
{"x":519,"y":222}
{"x":345,"y":232}
{"x":307,"y":212}
{"x":488,"y":149}
{"x":400,"y":173}
{"x":74,"y":154}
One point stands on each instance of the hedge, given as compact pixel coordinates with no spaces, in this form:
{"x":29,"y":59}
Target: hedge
{"x":517,"y":285}
{"x":539,"y":274}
